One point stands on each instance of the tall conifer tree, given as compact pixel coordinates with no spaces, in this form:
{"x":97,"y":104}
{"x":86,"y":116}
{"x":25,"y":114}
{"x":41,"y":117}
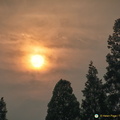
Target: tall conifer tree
{"x":63,"y":104}
{"x":3,"y":110}
{"x":94,"y":96}
{"x":112,"y":77}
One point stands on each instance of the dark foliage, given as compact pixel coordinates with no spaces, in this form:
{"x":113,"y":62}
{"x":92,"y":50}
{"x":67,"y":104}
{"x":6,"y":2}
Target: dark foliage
{"x":94,"y":102}
{"x":112,"y":77}
{"x":3,"y":110}
{"x":63,"y":104}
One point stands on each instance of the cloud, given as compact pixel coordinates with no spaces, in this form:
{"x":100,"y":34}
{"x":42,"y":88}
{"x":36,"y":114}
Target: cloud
{"x":68,"y":33}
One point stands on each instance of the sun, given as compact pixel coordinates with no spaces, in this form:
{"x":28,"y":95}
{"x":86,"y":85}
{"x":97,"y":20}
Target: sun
{"x":37,"y":61}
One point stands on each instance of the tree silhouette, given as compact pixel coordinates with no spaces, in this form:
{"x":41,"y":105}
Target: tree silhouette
{"x":112,"y":77}
{"x":3,"y":110}
{"x":94,"y":102}
{"x":63,"y":104}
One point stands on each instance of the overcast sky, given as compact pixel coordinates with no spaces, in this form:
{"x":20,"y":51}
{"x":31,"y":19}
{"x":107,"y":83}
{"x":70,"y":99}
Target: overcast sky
{"x":68,"y":33}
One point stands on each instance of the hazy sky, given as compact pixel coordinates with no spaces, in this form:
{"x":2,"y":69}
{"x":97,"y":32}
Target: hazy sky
{"x":68,"y":33}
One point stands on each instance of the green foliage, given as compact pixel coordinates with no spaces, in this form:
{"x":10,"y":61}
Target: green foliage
{"x":63,"y":104}
{"x":94,"y":102}
{"x":112,"y":77}
{"x":3,"y":110}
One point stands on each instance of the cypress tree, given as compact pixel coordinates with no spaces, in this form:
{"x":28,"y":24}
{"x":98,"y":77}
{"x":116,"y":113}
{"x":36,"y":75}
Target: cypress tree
{"x":94,"y":96}
{"x":63,"y":104}
{"x":3,"y":110}
{"x":112,"y":76}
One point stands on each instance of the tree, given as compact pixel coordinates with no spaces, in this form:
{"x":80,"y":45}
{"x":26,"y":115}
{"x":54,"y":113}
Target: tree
{"x":3,"y":110}
{"x":94,"y":96}
{"x":112,"y":76}
{"x":63,"y":104}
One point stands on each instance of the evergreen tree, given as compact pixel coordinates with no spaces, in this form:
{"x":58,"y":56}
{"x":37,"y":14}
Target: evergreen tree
{"x":63,"y":104}
{"x":112,"y":77}
{"x":94,"y":102}
{"x":3,"y":110}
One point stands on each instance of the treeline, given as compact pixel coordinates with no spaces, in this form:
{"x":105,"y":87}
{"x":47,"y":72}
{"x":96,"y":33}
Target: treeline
{"x":99,"y":99}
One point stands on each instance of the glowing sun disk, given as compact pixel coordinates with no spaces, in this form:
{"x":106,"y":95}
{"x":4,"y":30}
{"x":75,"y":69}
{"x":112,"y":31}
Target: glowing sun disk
{"x":37,"y":61}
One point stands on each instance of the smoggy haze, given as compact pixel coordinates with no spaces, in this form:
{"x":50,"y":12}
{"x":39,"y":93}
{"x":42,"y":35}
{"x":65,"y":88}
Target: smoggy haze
{"x":69,"y":33}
